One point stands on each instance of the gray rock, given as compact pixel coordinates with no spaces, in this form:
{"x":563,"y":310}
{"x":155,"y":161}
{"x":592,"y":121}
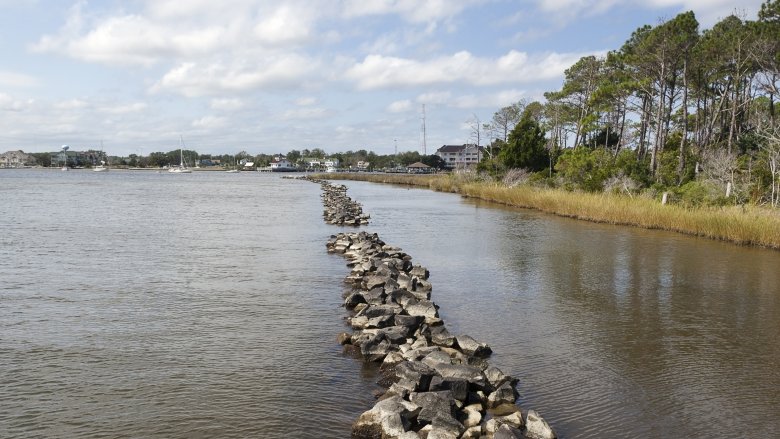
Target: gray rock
{"x":505,"y":394}
{"x":441,"y":337}
{"x":413,"y":371}
{"x":353,"y":300}
{"x":423,"y":309}
{"x":469,"y":346}
{"x":412,"y":322}
{"x":537,"y":428}
{"x":374,"y":281}
{"x":388,"y":418}
{"x":459,"y":388}
{"x":496,"y":378}
{"x":507,"y":432}
{"x":436,"y":357}
{"x":433,"y":405}
{"x":472,"y":415}
{"x":419,"y":272}
{"x":458,"y":371}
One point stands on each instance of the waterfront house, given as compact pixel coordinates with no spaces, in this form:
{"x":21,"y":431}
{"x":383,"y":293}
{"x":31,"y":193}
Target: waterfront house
{"x":15,"y":159}
{"x":460,"y":156}
{"x":419,"y":168}
{"x":363,"y":165}
{"x":281,"y":164}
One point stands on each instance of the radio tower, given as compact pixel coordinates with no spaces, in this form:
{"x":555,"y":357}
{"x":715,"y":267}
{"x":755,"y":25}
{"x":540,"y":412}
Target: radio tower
{"x":424,"y":146}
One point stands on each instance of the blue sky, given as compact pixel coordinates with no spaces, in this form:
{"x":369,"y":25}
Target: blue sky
{"x":271,"y":76}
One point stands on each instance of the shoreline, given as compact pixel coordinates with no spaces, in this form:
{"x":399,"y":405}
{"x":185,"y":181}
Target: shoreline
{"x":741,"y":225}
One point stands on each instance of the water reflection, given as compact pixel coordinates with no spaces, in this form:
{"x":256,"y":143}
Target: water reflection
{"x":613,"y":331}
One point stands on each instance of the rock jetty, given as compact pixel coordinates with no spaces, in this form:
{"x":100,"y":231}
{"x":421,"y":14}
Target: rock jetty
{"x":437,"y":385}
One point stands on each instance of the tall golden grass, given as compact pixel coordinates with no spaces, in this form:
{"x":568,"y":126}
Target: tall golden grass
{"x":745,"y":225}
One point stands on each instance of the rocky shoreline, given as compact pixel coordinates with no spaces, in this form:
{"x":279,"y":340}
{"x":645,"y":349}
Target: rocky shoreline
{"x":437,"y":385}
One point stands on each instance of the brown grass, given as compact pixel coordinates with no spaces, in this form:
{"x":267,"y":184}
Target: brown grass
{"x":745,"y":225}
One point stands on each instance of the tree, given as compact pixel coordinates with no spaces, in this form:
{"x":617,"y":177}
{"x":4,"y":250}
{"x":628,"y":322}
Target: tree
{"x":525,"y":146}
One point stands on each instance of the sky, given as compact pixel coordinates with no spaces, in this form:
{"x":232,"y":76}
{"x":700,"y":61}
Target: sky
{"x":140,"y":76}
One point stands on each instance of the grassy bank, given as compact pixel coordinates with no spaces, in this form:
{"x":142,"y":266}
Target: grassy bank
{"x":741,"y":225}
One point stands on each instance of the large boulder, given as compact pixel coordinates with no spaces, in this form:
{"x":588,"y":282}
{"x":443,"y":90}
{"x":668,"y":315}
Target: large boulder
{"x":537,"y":428}
{"x":441,"y":337}
{"x":496,"y":378}
{"x":390,"y":417}
{"x":434,"y":405}
{"x":422,"y":308}
{"x":471,"y":347}
{"x":505,"y":394}
{"x":463,"y":372}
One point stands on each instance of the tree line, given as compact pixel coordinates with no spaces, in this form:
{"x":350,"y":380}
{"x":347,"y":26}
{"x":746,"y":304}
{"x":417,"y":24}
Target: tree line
{"x":674,"y":109}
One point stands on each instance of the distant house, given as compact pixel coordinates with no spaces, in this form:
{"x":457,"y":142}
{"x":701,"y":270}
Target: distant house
{"x":418,"y":168}
{"x":331,"y":165}
{"x":15,"y":159}
{"x":363,"y":165}
{"x":460,"y":156}
{"x":281,"y":164}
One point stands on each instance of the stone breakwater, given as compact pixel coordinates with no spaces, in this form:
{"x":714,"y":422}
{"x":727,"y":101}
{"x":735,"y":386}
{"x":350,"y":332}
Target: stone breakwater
{"x":340,"y":209}
{"x":437,"y":385}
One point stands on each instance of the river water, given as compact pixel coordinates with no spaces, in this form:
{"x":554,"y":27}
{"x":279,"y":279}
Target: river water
{"x":138,"y":304}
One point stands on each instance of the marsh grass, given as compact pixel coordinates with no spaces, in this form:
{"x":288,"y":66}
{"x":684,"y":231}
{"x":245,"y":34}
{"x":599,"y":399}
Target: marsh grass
{"x":745,"y":225}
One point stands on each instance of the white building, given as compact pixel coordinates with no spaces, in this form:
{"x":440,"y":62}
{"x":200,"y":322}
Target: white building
{"x":459,"y":156}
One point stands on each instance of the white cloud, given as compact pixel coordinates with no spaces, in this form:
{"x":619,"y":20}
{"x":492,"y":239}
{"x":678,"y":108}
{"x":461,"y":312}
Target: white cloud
{"x":191,"y":79}
{"x":13,"y":79}
{"x":414,"y":11}
{"x":8,"y":103}
{"x":209,"y":122}
{"x":489,"y":100}
{"x":226,"y":104}
{"x":127,"y":108}
{"x":377,"y":71}
{"x":71,"y":104}
{"x":305,"y":101}
{"x":305,"y":114}
{"x":286,"y":25}
{"x":400,"y":106}
{"x":707,"y":11}
{"x":434,"y":98}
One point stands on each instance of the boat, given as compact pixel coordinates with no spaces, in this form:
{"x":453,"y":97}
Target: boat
{"x":181,"y":169}
{"x":101,"y":167}
{"x":235,"y":169}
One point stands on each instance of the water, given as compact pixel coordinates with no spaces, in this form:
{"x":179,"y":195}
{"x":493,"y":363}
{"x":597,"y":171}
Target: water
{"x":612,"y":331}
{"x":136,"y":304}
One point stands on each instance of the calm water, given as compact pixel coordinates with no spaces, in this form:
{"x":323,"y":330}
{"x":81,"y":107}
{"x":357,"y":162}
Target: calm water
{"x":136,"y":304}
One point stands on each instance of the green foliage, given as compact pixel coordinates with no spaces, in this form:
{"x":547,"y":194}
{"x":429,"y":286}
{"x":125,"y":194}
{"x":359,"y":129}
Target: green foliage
{"x":525,"y":147}
{"x":492,"y":166}
{"x":585,"y":169}
{"x":700,"y":193}
{"x":638,"y":170}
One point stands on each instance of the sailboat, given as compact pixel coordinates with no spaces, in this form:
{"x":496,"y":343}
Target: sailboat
{"x":102,"y":166}
{"x":235,"y":169}
{"x":181,"y":169}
